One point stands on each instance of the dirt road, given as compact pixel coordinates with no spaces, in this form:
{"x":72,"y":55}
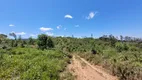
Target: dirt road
{"x":83,"y":70}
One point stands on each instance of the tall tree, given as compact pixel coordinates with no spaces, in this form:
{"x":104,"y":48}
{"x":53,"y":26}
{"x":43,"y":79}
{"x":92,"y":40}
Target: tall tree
{"x":13,"y":35}
{"x":121,"y":37}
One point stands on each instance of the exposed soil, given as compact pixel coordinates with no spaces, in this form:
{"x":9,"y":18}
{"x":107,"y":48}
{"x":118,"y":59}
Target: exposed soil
{"x":83,"y":70}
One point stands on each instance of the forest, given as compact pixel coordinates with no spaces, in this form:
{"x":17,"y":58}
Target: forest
{"x":46,"y":57}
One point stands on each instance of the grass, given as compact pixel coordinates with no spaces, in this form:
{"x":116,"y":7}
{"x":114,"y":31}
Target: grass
{"x":32,"y":64}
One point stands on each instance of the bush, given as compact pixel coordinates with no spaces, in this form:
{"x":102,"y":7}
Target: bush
{"x":121,"y":47}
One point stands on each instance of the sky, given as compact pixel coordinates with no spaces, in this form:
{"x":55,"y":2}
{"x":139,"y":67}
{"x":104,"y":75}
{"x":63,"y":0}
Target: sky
{"x":71,"y":17}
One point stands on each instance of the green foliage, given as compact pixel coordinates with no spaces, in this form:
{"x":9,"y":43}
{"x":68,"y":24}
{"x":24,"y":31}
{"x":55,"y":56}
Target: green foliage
{"x":19,"y":38}
{"x":2,"y":37}
{"x":42,"y":41}
{"x":45,"y":42}
{"x":13,"y":43}
{"x":122,"y":58}
{"x":31,"y":41}
{"x":121,"y":47}
{"x":50,"y":43}
{"x":22,"y":44}
{"x":32,"y":64}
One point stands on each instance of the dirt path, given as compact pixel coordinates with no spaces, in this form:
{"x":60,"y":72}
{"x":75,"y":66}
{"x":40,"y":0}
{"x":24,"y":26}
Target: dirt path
{"x":83,"y":70}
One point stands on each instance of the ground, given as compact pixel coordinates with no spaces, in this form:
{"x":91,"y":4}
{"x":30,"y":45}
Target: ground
{"x":83,"y":70}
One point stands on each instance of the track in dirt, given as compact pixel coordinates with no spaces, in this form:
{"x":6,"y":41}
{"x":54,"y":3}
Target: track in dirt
{"x":83,"y":70}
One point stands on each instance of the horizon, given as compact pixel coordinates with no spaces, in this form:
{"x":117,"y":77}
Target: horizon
{"x":78,"y":18}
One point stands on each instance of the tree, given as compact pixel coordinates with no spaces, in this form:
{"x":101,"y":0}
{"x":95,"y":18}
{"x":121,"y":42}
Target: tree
{"x":19,"y":41}
{"x":104,"y":37}
{"x":91,"y":35}
{"x":121,"y":37}
{"x":14,"y":43}
{"x":22,"y":44}
{"x":44,"y":42}
{"x":113,"y":40}
{"x":2,"y":38}
{"x":13,"y":35}
{"x":72,"y":36}
{"x":20,"y":38}
{"x":31,"y":41}
{"x":50,"y":43}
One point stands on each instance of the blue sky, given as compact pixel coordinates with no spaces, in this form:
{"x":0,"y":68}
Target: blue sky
{"x":71,"y":17}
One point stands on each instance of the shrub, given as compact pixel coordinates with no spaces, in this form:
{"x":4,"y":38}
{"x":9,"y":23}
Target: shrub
{"x":32,"y":64}
{"x":119,"y":47}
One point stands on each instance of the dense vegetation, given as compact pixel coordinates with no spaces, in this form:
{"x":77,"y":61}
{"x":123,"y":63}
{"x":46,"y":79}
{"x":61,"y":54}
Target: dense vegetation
{"x":30,"y":61}
{"x":46,"y":57}
{"x":121,"y":57}
{"x":31,"y":64}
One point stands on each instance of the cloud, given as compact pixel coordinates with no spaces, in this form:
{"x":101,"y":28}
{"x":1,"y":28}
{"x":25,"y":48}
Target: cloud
{"x":77,"y":26}
{"x":68,"y":16}
{"x":20,"y":33}
{"x":91,"y":15}
{"x":60,"y":26}
{"x":11,"y":25}
{"x":33,"y":35}
{"x":59,"y":35}
{"x":49,"y":33}
{"x":45,"y":29}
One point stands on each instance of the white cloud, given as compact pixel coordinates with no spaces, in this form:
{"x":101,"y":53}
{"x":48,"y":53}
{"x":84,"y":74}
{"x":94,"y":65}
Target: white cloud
{"x":20,"y":33}
{"x":60,"y":26}
{"x":68,"y":16}
{"x":45,"y":29}
{"x":49,"y":33}
{"x":59,"y":35}
{"x":11,"y":25}
{"x":33,"y":35}
{"x":91,"y":15}
{"x":77,"y":26}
